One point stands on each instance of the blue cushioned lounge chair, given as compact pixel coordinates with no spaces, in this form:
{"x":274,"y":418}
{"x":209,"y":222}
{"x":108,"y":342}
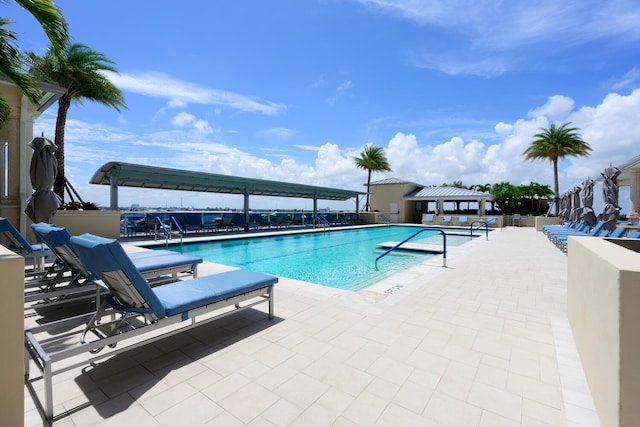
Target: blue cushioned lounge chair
{"x":133,"y":309}
{"x":560,"y":238}
{"x":67,"y":276}
{"x":35,"y":256}
{"x":617,"y":233}
{"x":257,"y":220}
{"x":633,"y":235}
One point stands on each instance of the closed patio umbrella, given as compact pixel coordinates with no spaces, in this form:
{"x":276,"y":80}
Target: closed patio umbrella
{"x":588,"y":215}
{"x":564,"y":206}
{"x":43,"y":203}
{"x":574,"y":204}
{"x":610,"y":211}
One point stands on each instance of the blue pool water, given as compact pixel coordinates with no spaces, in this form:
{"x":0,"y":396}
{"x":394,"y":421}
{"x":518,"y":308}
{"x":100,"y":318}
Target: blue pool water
{"x":343,"y":259}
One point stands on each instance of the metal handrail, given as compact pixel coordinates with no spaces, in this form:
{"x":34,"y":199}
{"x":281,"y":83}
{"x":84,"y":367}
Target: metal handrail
{"x":439,"y":230}
{"x":384,"y":218}
{"x":481,"y":222}
{"x":323,"y":221}
{"x":166,"y":229}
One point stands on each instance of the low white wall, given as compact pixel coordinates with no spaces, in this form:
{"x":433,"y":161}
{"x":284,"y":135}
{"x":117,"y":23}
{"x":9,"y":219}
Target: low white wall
{"x":12,"y":353}
{"x":603,"y":300}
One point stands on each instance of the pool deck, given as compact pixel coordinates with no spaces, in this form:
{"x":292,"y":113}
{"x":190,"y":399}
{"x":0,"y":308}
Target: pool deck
{"x":483,"y":342}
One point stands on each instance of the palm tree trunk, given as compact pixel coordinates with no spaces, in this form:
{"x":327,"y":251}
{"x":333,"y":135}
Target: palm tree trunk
{"x":367,"y":206}
{"x":63,"y":107}
{"x":555,"y":185}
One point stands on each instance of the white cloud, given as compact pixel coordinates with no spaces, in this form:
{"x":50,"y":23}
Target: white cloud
{"x":186,"y":120}
{"x":488,"y":39}
{"x":203,"y":127}
{"x":307,"y":147}
{"x":183,"y":119}
{"x":279,"y":132}
{"x":611,"y":127}
{"x":176,"y":103}
{"x":456,"y":64}
{"x":630,"y":77}
{"x":179,"y":93}
{"x":506,"y":25}
{"x":557,"y":106}
{"x":343,"y":87}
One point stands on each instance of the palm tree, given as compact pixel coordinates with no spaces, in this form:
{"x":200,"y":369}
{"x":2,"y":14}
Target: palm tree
{"x":483,"y":188}
{"x":11,"y":61}
{"x":373,"y":159}
{"x":554,"y":144}
{"x":79,"y":69}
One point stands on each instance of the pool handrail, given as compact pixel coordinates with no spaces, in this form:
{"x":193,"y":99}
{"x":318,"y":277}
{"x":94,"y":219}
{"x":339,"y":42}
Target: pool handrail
{"x":481,"y":222}
{"x":166,"y":229}
{"x":439,"y":230}
{"x":321,"y":220}
{"x":384,"y":218}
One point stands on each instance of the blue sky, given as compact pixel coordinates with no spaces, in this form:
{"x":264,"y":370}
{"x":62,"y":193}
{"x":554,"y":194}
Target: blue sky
{"x":292,"y":90}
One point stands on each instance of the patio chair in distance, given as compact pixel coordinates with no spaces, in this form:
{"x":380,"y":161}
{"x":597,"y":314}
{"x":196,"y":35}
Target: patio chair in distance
{"x":446,"y":220}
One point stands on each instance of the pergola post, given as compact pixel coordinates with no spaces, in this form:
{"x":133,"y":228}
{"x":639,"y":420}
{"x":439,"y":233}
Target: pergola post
{"x":246,"y":208}
{"x":113,"y":188}
{"x":634,"y":192}
{"x":315,"y":209}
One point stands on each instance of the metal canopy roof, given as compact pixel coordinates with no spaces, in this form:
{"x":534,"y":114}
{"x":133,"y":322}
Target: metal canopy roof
{"x":447,"y":194}
{"x":143,"y":176}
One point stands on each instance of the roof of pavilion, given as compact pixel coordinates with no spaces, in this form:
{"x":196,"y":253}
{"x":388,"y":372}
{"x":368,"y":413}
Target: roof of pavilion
{"x":392,"y":181}
{"x":447,"y":193}
{"x":436,"y":193}
{"x":632,"y":165}
{"x":143,"y":176}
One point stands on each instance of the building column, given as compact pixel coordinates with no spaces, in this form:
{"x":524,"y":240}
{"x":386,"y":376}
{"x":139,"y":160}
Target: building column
{"x":481,"y":207}
{"x":634,"y":193}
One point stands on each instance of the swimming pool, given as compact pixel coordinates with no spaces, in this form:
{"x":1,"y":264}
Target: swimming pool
{"x":342,"y":259}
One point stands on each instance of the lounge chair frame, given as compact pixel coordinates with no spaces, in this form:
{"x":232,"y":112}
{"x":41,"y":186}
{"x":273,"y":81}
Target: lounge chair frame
{"x":122,"y":317}
{"x":35,"y":349}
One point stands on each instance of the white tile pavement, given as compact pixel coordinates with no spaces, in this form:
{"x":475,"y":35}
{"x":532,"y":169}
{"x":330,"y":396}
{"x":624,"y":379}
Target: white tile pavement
{"x":483,"y":342}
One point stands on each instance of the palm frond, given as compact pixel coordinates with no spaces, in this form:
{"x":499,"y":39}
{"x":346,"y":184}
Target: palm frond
{"x":50,"y":18}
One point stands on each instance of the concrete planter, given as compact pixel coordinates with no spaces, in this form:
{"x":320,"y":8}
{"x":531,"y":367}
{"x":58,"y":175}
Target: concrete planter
{"x":603,"y":296}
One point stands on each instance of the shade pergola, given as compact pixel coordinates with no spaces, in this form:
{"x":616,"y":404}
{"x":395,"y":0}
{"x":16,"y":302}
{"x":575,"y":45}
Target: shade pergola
{"x":118,"y":174}
{"x":630,"y":176}
{"x":450,"y":194}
